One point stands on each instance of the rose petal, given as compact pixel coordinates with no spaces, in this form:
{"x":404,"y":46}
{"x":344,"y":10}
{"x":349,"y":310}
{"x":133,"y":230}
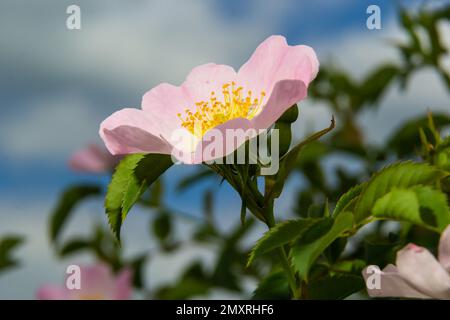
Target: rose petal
{"x":237,"y":128}
{"x":52,"y":293}
{"x":93,"y":159}
{"x":444,"y":249}
{"x":204,"y":79}
{"x":391,"y":284}
{"x":123,"y":287}
{"x":421,"y":269}
{"x":133,"y":131}
{"x":274,"y":60}
{"x":165,"y":102}
{"x":284,"y":95}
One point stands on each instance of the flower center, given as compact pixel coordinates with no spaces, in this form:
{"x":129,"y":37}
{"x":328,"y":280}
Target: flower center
{"x":214,"y":112}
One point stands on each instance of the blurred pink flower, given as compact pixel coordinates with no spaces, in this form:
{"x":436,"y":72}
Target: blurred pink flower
{"x":417,"y":273}
{"x":93,"y":159}
{"x":97,"y":283}
{"x":214,"y":96}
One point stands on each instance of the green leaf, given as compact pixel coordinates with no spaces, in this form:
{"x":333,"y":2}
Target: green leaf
{"x":274,"y":286}
{"x":419,"y":205}
{"x":281,"y":234}
{"x":347,"y":199}
{"x":335,"y":287}
{"x":7,"y":245}
{"x":400,"y":175}
{"x":70,"y":198}
{"x":134,"y":174}
{"x":137,"y":264}
{"x":74,"y":246}
{"x":373,"y":86}
{"x":406,"y":140}
{"x":304,"y":255}
{"x":162,"y":226}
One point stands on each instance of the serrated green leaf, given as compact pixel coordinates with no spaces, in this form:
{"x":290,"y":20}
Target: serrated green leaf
{"x":69,"y":199}
{"x":304,"y":255}
{"x":400,"y":175}
{"x":346,"y":200}
{"x":281,"y":234}
{"x":134,"y":174}
{"x":419,"y":205}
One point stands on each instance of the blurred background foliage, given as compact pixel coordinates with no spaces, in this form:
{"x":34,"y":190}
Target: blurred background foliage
{"x":343,"y":260}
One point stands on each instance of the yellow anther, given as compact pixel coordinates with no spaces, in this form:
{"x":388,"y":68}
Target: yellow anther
{"x":214,"y":112}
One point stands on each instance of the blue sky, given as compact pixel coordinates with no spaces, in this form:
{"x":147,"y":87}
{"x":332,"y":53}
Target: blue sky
{"x":57,"y":85}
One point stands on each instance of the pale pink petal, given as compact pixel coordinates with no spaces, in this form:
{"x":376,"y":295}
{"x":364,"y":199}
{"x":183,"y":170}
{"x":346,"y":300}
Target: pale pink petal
{"x":284,"y":95}
{"x":421,"y":269}
{"x":124,"y":285}
{"x":204,"y":79}
{"x":165,"y":102}
{"x":97,"y":283}
{"x":391,"y":284}
{"x":444,"y":249}
{"x":274,"y":60}
{"x":237,"y":135}
{"x":50,"y":292}
{"x":133,"y":131}
{"x":93,"y":159}
{"x":258,"y":72}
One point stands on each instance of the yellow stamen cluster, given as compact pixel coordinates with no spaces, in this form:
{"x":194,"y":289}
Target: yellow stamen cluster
{"x":214,"y":112}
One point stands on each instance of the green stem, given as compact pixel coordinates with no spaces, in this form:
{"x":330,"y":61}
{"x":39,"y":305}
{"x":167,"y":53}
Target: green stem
{"x":283,"y":256}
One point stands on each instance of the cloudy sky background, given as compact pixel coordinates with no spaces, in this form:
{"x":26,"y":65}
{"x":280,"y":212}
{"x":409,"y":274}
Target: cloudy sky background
{"x":57,"y":85}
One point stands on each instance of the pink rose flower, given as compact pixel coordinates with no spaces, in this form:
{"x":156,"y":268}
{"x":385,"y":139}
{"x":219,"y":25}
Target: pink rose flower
{"x":217,"y":97}
{"x":417,"y":273}
{"x":93,"y":159}
{"x":97,"y":283}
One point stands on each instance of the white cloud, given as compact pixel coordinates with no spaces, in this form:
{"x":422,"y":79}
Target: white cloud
{"x":51,"y":127}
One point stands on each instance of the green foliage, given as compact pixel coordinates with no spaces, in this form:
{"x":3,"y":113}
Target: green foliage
{"x":133,"y":175}
{"x":406,"y":139}
{"x":304,"y":254}
{"x":274,"y":185}
{"x":70,"y":198}
{"x":274,"y":286}
{"x":281,"y":234}
{"x":162,"y":226}
{"x":419,"y":205}
{"x":400,"y":175}
{"x":337,"y":286}
{"x":347,"y":201}
{"x":7,"y":245}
